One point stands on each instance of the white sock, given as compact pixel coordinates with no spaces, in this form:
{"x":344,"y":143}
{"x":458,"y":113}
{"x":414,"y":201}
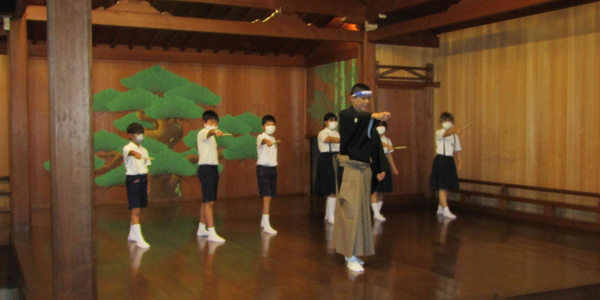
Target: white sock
{"x":137,"y":229}
{"x":379,"y":205}
{"x":440,"y":210}
{"x":330,"y":207}
{"x":213,"y":236}
{"x":267,"y":226}
{"x":446,"y":209}
{"x":374,"y":207}
{"x":265,"y":221}
{"x":131,"y":236}
{"x":202,"y":230}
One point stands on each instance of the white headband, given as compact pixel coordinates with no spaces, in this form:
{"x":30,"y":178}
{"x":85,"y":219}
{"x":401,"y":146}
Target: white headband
{"x":362,"y":93}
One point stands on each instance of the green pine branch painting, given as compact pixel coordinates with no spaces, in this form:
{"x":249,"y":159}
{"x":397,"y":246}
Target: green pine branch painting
{"x":161,"y":101}
{"x":342,"y":76}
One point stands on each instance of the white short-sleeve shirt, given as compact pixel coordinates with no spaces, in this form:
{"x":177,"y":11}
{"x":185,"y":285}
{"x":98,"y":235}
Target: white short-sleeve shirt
{"x":328,"y":147}
{"x":207,"y":149}
{"x":136,"y":166}
{"x":385,"y":139}
{"x":446,"y":145}
{"x":267,"y":156}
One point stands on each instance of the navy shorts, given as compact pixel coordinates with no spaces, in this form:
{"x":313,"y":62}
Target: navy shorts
{"x":267,"y":181}
{"x":137,"y":191}
{"x":209,"y":179}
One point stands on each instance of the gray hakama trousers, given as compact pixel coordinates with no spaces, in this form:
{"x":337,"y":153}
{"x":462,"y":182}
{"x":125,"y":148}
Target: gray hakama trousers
{"x":352,"y":230}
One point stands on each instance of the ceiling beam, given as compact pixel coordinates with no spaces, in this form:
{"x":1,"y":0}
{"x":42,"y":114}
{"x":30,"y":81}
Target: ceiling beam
{"x":37,"y":31}
{"x":153,"y":40}
{"x":132,"y":20}
{"x":96,"y":36}
{"x":461,"y":13}
{"x":387,"y":6}
{"x":116,"y":37}
{"x":133,"y":38}
{"x":185,"y":57}
{"x":187,"y":42}
{"x":339,"y":8}
{"x":174,"y":37}
{"x":242,"y":40}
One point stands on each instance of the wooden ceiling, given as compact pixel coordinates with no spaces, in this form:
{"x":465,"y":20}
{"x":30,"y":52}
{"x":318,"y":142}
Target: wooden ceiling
{"x":171,"y":40}
{"x":182,"y":41}
{"x":404,"y":22}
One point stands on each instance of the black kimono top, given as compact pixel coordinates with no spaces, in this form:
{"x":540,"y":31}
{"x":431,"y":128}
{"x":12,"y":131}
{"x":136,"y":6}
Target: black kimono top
{"x":360,"y":140}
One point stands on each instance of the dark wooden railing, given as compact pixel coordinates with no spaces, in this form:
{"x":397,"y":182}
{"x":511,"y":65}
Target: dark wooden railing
{"x":549,"y":216}
{"x":4,"y":192}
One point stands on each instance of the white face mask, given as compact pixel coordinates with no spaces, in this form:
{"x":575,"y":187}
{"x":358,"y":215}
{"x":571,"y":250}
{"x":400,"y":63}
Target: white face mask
{"x":139,"y":138}
{"x":381,"y":129}
{"x":270,"y":129}
{"x":210,"y":127}
{"x":332,"y":125}
{"x":447,"y":125}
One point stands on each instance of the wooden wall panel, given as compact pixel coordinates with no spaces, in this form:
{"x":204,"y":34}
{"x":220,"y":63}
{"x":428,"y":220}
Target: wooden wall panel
{"x":259,"y":90}
{"x":4,"y":145}
{"x":4,"y":126}
{"x":412,"y":120}
{"x":532,"y":88}
{"x":411,"y":125}
{"x":4,"y":116}
{"x":404,"y":56}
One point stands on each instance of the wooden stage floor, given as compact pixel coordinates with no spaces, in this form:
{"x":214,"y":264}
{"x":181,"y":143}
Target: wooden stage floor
{"x":419,"y":256}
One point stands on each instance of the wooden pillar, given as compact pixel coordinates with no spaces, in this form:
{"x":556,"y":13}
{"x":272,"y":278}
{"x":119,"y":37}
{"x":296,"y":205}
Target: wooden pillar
{"x":368,"y":70}
{"x":19,"y":134}
{"x":598,"y":214}
{"x":71,"y":149}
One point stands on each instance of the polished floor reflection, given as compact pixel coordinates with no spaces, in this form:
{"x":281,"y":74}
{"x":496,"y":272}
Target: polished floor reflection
{"x":419,"y":256}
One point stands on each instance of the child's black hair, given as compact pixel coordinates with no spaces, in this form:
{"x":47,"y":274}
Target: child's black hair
{"x":378,"y":123}
{"x":359,"y":87}
{"x":446,"y":116}
{"x":210,"y":115}
{"x":328,"y":117}
{"x":268,"y":118}
{"x":135,"y":128}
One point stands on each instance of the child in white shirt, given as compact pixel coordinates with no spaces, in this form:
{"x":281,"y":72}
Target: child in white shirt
{"x":329,"y":146}
{"x":444,"y":176}
{"x":385,"y":185}
{"x":208,"y":174}
{"x":137,"y":181}
{"x":266,"y":169}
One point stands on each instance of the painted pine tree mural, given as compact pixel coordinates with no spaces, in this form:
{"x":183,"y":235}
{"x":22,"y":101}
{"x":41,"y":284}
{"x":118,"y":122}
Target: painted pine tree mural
{"x":341,"y":76}
{"x":161,"y":101}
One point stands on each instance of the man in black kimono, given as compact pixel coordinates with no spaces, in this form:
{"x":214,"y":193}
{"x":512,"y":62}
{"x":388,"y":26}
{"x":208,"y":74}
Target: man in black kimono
{"x":360,"y":145}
